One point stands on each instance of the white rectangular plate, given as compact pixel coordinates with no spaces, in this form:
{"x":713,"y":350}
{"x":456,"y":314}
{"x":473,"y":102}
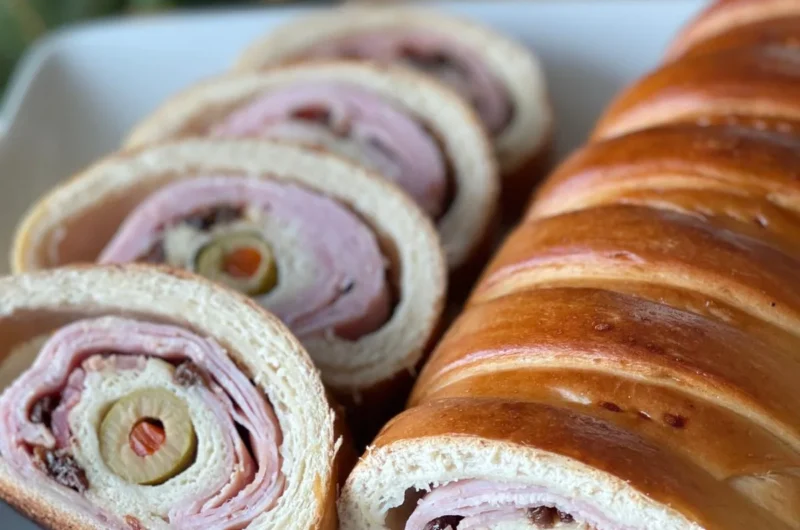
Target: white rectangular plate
{"x":76,"y":93}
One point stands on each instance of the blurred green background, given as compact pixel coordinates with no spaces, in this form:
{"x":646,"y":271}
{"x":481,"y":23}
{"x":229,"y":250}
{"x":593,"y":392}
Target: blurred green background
{"x":23,"y":21}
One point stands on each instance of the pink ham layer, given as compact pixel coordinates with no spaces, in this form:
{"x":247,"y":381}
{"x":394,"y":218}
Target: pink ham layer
{"x":227,"y":503}
{"x":397,"y":146}
{"x":483,"y":504}
{"x":342,"y":246}
{"x":470,"y":76}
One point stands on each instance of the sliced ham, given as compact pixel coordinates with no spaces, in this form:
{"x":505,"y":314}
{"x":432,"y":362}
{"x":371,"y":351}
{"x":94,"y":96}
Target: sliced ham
{"x":354,"y":123}
{"x":346,"y":294}
{"x":449,"y":61}
{"x":487,"y":505}
{"x":251,"y":486}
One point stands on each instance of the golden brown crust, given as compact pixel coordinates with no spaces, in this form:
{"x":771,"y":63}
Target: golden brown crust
{"x":622,"y":335}
{"x":644,"y":318}
{"x":591,"y":441}
{"x":684,"y":423}
{"x":726,"y":15}
{"x":780,"y":32}
{"x":756,"y":87}
{"x":644,"y":246}
{"x":742,"y":179}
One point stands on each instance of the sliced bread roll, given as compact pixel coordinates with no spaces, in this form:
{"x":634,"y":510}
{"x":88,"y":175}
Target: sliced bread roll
{"x":502,"y":79}
{"x":413,"y":131}
{"x":592,"y":410}
{"x":344,"y":258}
{"x":159,"y":400}
{"x":741,"y":179}
{"x":752,"y":87}
{"x":723,"y":16}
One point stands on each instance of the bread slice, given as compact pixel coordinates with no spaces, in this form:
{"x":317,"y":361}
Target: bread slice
{"x":75,"y":221}
{"x":593,"y":407}
{"x":588,"y":469}
{"x":265,"y":352}
{"x":522,"y":147}
{"x":466,"y":223}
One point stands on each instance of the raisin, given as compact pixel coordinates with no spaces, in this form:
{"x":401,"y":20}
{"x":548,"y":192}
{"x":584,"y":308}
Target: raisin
{"x":543,"y":516}
{"x":189,"y":374}
{"x":227,"y":214}
{"x":134,"y":523}
{"x":205,"y":219}
{"x":446,"y":522}
{"x":313,"y":113}
{"x":427,"y":61}
{"x":43,"y":409}
{"x":62,"y":467}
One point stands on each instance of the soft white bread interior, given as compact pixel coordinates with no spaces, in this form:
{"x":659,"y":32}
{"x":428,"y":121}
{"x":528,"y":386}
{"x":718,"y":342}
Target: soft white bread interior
{"x":605,"y":477}
{"x":380,"y":486}
{"x":515,"y":66}
{"x":75,"y":221}
{"x":467,"y":220}
{"x":35,"y":304}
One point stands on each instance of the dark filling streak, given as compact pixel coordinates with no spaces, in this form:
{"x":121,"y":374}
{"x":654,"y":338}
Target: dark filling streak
{"x":322,"y":115}
{"x":446,"y":522}
{"x":208,"y":218}
{"x":61,"y":466}
{"x":547,"y":517}
{"x":42,"y":410}
{"x":244,"y":434}
{"x":203,"y":219}
{"x":432,"y":63}
{"x":189,"y":374}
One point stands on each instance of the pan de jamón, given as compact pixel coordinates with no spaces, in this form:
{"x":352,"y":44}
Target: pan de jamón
{"x":500,"y":78}
{"x":401,"y":124}
{"x":159,"y":400}
{"x":344,"y":258}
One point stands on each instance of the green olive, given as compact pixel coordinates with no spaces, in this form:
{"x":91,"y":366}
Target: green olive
{"x":243,"y":261}
{"x":147,"y":437}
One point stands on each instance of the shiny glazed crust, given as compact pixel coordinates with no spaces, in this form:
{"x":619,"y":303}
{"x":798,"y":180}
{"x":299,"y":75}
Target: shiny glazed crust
{"x":753,"y":87}
{"x":36,"y":303}
{"x":633,"y":344}
{"x":726,"y":15}
{"x":740,"y":179}
{"x":782,"y":32}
